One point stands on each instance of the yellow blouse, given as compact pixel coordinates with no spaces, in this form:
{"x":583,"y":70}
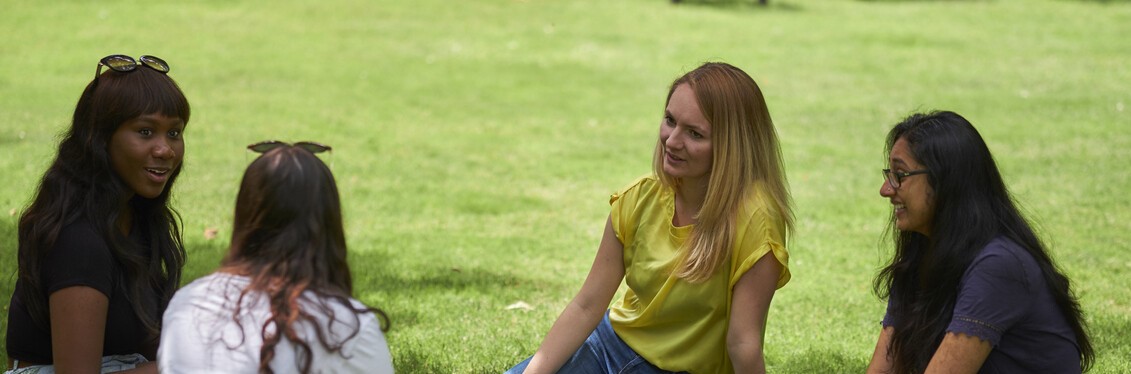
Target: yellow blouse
{"x":676,"y":325}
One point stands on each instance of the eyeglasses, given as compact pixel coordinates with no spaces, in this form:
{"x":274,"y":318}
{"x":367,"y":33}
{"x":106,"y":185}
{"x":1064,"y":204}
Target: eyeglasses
{"x":896,"y":178}
{"x":267,"y":145}
{"x":126,"y":64}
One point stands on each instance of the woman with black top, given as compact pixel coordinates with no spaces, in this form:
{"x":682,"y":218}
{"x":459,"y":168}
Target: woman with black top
{"x":100,"y":251}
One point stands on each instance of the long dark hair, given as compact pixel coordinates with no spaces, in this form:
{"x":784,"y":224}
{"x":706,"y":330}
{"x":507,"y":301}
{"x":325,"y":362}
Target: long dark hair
{"x":288,"y":238}
{"x":972,"y":206}
{"x":81,"y":185}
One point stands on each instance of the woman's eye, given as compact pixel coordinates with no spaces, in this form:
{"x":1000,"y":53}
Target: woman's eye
{"x":669,"y":120}
{"x":696,"y":135}
{"x":145,"y":132}
{"x":174,"y":133}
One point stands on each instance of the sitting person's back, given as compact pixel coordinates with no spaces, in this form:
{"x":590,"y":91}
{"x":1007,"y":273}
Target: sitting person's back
{"x":281,"y":301}
{"x":206,"y":338}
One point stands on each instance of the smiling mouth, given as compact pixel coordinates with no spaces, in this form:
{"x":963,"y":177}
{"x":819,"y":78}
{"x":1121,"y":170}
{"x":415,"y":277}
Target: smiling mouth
{"x":158,"y":175}
{"x":673,"y":157}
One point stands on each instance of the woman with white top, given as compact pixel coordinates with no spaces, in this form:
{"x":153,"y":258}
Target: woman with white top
{"x":281,"y":300}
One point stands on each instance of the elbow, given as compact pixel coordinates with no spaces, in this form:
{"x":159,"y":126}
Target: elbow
{"x":746,"y":354}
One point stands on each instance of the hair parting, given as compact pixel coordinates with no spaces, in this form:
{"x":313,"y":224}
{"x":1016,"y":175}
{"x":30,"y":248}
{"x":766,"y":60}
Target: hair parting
{"x":289,"y":240}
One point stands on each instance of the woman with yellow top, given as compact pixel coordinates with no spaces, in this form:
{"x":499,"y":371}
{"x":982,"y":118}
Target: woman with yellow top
{"x":700,"y":244}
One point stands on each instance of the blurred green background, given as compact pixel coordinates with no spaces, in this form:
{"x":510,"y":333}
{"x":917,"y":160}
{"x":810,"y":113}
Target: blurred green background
{"x":476,"y":142}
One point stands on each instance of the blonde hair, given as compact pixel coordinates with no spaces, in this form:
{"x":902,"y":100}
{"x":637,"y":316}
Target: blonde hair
{"x":744,"y":153}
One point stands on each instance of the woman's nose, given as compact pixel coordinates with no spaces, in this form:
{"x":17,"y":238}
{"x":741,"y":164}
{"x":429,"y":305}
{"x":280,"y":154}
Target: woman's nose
{"x":886,"y":190}
{"x":163,"y":150}
{"x":673,"y":140}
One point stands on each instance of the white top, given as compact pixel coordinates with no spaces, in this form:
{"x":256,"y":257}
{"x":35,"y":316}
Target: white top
{"x":200,"y":335}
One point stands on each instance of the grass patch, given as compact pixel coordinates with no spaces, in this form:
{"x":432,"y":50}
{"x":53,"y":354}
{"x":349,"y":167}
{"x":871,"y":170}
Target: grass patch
{"x":476,"y":143}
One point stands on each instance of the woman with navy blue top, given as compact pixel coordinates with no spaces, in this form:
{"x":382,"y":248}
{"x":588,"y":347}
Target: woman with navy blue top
{"x":971,"y":288}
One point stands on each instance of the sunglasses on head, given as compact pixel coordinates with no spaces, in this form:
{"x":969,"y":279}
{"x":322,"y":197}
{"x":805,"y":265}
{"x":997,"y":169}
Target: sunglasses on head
{"x":267,"y":145}
{"x":126,"y":64}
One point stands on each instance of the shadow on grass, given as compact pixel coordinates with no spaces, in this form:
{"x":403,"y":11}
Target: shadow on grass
{"x":424,"y":285}
{"x":415,"y":360}
{"x":821,"y":361}
{"x":414,"y":296}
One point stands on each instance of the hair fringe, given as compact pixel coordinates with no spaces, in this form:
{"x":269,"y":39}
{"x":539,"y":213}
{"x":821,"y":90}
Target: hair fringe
{"x":80,"y":185}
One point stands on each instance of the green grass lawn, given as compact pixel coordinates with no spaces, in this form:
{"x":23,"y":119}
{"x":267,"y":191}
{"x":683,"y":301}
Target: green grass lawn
{"x":476,"y":142}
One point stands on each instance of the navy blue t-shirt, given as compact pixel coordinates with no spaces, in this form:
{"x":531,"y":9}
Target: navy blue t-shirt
{"x":81,"y":257}
{"x":1003,"y":299}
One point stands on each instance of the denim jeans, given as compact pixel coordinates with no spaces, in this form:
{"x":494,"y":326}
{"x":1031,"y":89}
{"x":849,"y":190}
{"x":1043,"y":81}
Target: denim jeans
{"x":602,"y":353}
{"x":110,"y":364}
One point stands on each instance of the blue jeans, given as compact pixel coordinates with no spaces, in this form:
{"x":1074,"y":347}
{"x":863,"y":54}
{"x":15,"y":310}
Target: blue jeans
{"x":602,"y":353}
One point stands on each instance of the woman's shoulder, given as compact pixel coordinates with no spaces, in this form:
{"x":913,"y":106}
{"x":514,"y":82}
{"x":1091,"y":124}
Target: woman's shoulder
{"x":758,"y":198}
{"x":1004,"y":258}
{"x":760,"y":208}
{"x":211,"y":282}
{"x":367,"y":351}
{"x":643,"y":182}
{"x":642,"y":185}
{"x":344,"y":317}
{"x":80,"y":242}
{"x":1004,"y":248}
{"x":215,"y":288}
{"x":80,"y":231}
